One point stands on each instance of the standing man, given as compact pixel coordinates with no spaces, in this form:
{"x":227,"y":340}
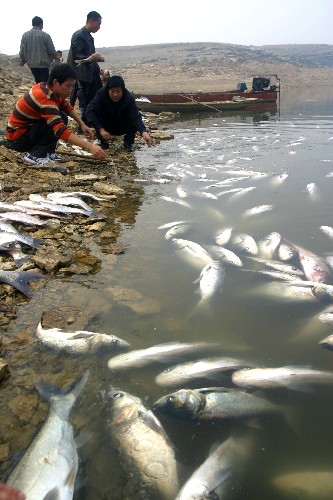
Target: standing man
{"x":83,"y":49}
{"x":37,"y":50}
{"x":113,"y":111}
{"x":39,"y":119}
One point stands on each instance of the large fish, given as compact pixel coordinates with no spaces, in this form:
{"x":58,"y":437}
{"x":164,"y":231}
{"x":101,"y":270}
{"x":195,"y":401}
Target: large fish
{"x":48,"y":468}
{"x":20,"y":280}
{"x":192,"y":252}
{"x":144,"y":451}
{"x":7,"y":237}
{"x":161,"y":353}
{"x":202,"y":368}
{"x":211,"y":281}
{"x":79,"y":342}
{"x":71,"y":200}
{"x":305,"y":485}
{"x":292,"y":377}
{"x":213,"y":404}
{"x":245,"y":243}
{"x":214,"y":470}
{"x":315,"y":268}
{"x":267,"y":246}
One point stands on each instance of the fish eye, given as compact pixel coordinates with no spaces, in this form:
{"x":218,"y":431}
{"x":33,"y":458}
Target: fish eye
{"x":170,"y":399}
{"x":117,"y":395}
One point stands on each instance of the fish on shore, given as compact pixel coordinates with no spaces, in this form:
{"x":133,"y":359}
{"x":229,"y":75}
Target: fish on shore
{"x":49,"y":466}
{"x":143,"y":449}
{"x":79,"y":342}
{"x":160,"y":353}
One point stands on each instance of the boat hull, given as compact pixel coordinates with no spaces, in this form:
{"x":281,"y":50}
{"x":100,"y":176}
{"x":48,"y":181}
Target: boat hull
{"x":202,"y":101}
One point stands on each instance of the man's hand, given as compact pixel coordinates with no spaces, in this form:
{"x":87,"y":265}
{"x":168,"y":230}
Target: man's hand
{"x":88,"y":132}
{"x":148,"y":139}
{"x":97,"y":152}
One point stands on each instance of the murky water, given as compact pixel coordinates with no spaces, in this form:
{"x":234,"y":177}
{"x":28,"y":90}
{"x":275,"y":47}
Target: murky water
{"x":244,"y":318}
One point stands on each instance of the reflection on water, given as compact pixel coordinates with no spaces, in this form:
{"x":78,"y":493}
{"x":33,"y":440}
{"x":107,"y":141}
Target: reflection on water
{"x":245,"y":319}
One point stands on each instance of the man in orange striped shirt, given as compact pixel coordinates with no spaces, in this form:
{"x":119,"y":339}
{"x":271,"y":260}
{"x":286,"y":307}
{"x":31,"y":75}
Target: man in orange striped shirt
{"x":39,"y":119}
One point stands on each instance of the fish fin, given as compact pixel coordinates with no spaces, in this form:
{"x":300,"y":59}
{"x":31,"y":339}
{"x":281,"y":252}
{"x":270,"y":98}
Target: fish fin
{"x":21,"y":283}
{"x":82,"y":335}
{"x":70,"y":479}
{"x":21,"y":260}
{"x":151,"y":421}
{"x":53,"y":494}
{"x":82,"y":438}
{"x":47,"y":390}
{"x":301,"y":388}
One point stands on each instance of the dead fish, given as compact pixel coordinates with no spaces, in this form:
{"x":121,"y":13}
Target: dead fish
{"x":292,"y":377}
{"x":305,"y":485}
{"x":245,"y":243}
{"x":228,"y":256}
{"x":14,"y":249}
{"x":327,"y":230}
{"x":267,"y":246}
{"x":79,"y":342}
{"x":327,"y":342}
{"x":279,"y":266}
{"x":183,"y":203}
{"x":192,"y":252}
{"x":286,"y":252}
{"x":71,"y":200}
{"x":160,"y":353}
{"x":315,"y":268}
{"x":197,"y":369}
{"x":7,"y":237}
{"x":211,"y":281}
{"x":22,"y":218}
{"x":175,"y":231}
{"x":144,"y":451}
{"x":20,"y":280}
{"x":223,"y":236}
{"x":258,"y":210}
{"x":172,"y":224}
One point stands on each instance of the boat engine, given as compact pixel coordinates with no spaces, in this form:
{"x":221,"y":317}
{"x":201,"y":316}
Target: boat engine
{"x":260,"y":83}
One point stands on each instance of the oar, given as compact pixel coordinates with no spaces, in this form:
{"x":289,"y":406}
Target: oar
{"x":200,"y":103}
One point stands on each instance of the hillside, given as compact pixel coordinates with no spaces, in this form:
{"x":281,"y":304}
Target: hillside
{"x":210,"y":66}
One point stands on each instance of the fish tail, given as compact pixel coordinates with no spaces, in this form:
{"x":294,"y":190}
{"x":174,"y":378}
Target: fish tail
{"x":20,"y":282}
{"x":62,"y":400}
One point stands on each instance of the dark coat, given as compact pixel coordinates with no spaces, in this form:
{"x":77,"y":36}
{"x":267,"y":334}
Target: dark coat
{"x":82,"y":46}
{"x":115,"y":117}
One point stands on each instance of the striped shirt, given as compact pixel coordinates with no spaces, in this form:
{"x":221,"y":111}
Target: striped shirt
{"x":37,"y":48}
{"x":38,"y":104}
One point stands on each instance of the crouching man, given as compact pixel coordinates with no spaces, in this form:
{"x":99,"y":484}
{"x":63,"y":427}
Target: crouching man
{"x":40,"y":117}
{"x":113,"y":112}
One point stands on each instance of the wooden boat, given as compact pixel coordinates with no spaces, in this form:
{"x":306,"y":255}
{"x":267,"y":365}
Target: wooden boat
{"x":261,"y":92}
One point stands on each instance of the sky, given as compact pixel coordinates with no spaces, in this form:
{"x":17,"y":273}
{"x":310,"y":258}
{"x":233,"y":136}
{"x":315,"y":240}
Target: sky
{"x":242,"y":22}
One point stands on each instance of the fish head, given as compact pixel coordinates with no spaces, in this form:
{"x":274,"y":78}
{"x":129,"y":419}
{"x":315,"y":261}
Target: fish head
{"x":183,"y":403}
{"x":123,"y":406}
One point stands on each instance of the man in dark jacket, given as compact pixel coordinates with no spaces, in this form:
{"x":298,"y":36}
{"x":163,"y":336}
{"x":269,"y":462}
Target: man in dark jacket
{"x":113,"y":112}
{"x":83,"y":49}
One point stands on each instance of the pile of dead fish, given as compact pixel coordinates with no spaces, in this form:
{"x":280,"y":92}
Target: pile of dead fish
{"x":36,"y":211}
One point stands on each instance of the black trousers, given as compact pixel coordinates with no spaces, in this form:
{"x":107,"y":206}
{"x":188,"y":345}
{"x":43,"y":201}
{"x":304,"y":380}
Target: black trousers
{"x":88,"y":91}
{"x":40,"y":74}
{"x":39,"y":139}
{"x":119,"y":128}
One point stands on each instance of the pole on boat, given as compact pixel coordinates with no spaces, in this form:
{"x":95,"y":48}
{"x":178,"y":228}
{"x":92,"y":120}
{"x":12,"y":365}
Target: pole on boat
{"x":200,"y":103}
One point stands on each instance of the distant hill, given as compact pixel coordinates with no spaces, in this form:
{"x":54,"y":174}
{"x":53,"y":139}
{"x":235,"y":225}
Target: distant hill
{"x":210,"y":66}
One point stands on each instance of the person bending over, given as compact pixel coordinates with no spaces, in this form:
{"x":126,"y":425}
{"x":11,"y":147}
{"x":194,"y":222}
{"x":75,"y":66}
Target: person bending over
{"x":39,"y":119}
{"x":113,"y":112}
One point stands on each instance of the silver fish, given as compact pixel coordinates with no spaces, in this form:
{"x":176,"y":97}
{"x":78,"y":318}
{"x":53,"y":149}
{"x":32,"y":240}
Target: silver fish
{"x":258,"y":210}
{"x":175,"y":223}
{"x":143,"y":449}
{"x":161,"y":353}
{"x":211,"y":280}
{"x":52,"y":207}
{"x":211,"y":473}
{"x":71,"y":200}
{"x":20,"y":280}
{"x":175,"y":231}
{"x":83,"y":194}
{"x":14,"y":249}
{"x":286,"y":252}
{"x":183,"y":203}
{"x":202,"y":368}
{"x":327,"y":230}
{"x":315,"y":268}
{"x":292,"y":377}
{"x":223,"y":236}
{"x":22,"y":218}
{"x":49,"y":466}
{"x":228,"y":256}
{"x":279,"y":266}
{"x":192,"y":252}
{"x":6,"y":237}
{"x":79,"y":342}
{"x":327,"y":342}
{"x":267,"y":246}
{"x":245,"y":243}
{"x":305,"y":485}
{"x":213,"y":404}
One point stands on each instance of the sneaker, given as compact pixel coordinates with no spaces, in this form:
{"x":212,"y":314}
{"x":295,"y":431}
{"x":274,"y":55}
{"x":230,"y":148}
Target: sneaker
{"x":35,"y":160}
{"x":129,"y":147}
{"x":54,"y":157}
